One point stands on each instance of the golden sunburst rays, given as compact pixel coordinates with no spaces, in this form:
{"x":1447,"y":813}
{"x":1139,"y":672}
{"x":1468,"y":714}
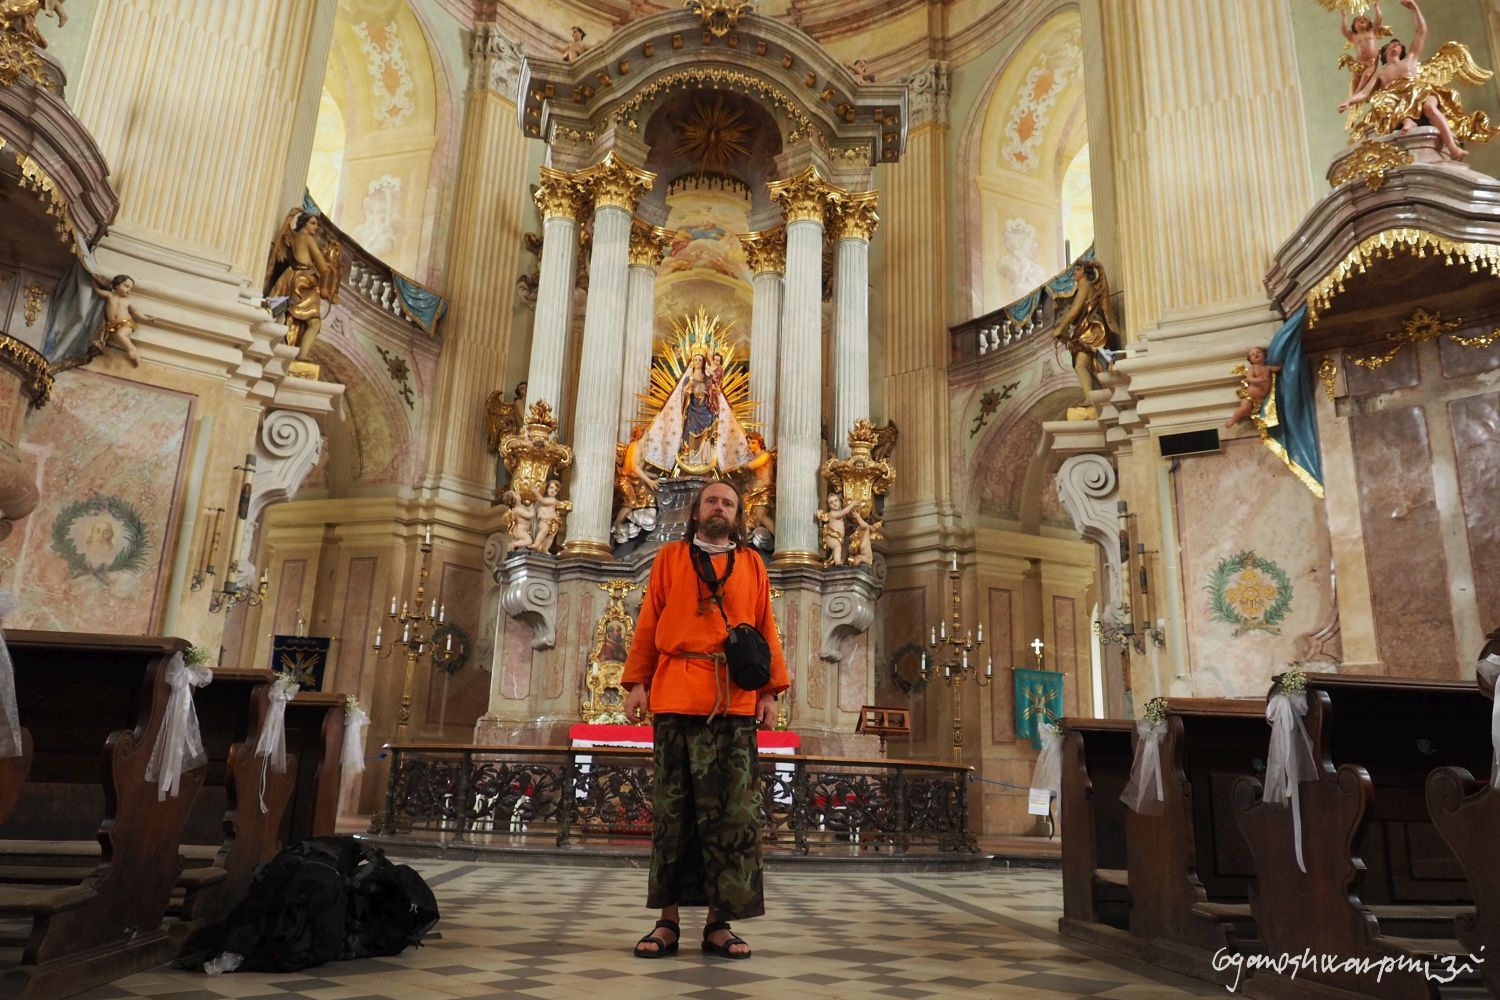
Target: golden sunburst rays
{"x":699,"y":333}
{"x":713,"y":135}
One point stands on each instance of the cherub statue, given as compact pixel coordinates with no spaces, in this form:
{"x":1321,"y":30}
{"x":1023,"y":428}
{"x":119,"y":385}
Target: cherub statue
{"x":120,"y":316}
{"x":519,"y":517}
{"x":635,"y":491}
{"x":1403,"y":93}
{"x":862,"y":538}
{"x":1255,"y":384}
{"x":1088,"y":328}
{"x":550,"y":509}
{"x":861,"y":71}
{"x":1364,"y":36}
{"x":305,"y":271}
{"x":758,"y":478}
{"x":834,"y":529}
{"x":576,"y":47}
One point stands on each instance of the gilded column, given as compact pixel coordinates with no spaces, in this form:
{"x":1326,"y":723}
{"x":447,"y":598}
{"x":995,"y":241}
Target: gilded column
{"x":615,"y":185}
{"x":189,"y":102}
{"x":916,"y":322}
{"x":648,"y":245}
{"x":804,"y":199}
{"x":488,"y":221}
{"x":562,"y":203}
{"x":766,"y":252}
{"x":852,"y":221}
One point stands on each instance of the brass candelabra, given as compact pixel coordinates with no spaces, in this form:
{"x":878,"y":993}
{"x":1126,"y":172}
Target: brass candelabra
{"x":417,"y":632}
{"x":951,"y":650}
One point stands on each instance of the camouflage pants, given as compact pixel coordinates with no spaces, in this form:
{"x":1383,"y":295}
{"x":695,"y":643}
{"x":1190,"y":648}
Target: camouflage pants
{"x":705,"y":848}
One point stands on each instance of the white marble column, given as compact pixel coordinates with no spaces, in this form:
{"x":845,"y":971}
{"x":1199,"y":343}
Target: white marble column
{"x":799,"y":387}
{"x":853,"y":221}
{"x":561,"y":203}
{"x":615,"y":185}
{"x":648,"y":244}
{"x":766,"y":252}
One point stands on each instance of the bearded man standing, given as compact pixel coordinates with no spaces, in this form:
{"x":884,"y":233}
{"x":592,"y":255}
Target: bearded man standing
{"x":705,"y":848}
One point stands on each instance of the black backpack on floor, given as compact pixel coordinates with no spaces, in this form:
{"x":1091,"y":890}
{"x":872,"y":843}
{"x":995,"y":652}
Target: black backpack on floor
{"x":325,"y":899}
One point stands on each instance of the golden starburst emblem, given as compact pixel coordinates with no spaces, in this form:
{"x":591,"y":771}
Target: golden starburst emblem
{"x":720,"y":16}
{"x":713,"y":135}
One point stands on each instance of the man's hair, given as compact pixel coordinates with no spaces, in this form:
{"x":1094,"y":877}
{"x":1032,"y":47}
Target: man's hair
{"x":735,"y":534}
{"x":118,"y":280}
{"x":1387,"y":47}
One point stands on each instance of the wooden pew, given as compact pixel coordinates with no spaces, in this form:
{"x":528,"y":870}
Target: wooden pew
{"x":1467,"y":814}
{"x":83,"y":697}
{"x":315,"y":733}
{"x":1380,"y":883}
{"x":227,"y":817}
{"x":1095,"y":769}
{"x":13,"y":772}
{"x":1189,"y":869}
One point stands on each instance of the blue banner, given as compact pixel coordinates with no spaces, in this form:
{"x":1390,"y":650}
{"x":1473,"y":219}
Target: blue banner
{"x":422,"y":304}
{"x":305,"y":657}
{"x":1288,"y":418}
{"x":1039,"y":699}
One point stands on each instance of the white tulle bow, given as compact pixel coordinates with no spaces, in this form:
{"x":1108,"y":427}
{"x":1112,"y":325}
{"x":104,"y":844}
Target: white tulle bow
{"x":271,"y":747}
{"x":10,"y":722}
{"x":353,"y":757}
{"x":1489,"y":669}
{"x":1290,"y":759}
{"x":1144,"y":794}
{"x":179,"y":742}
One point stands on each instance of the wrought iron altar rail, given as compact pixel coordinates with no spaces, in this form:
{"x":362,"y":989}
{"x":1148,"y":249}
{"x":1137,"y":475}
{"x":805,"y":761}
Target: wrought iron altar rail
{"x":532,"y":795}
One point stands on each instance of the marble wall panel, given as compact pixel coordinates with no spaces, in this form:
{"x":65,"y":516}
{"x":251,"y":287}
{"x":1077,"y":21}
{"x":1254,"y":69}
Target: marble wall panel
{"x":1245,"y":501}
{"x":902,"y":620}
{"x":853,"y":670}
{"x":459,"y":698}
{"x":95,"y":554}
{"x":815,"y":670}
{"x":1459,"y":360}
{"x":1476,"y":439}
{"x":1402,"y":372}
{"x":1000,"y":640}
{"x":357,"y":627}
{"x":1403,"y":542}
{"x":291,"y":577}
{"x":516,"y":664}
{"x":553,"y":677}
{"x":1065,"y":650}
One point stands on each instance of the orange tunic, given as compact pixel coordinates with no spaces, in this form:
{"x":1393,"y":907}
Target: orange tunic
{"x":673,"y":622}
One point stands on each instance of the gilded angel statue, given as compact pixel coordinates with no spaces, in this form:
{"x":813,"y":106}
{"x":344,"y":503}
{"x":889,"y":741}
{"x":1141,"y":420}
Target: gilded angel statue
{"x":1089,"y":329}
{"x":20,"y":16}
{"x":305,"y":270}
{"x":503,"y":419}
{"x":1404,"y":92}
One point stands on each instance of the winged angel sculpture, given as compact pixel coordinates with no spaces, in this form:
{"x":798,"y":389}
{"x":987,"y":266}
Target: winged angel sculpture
{"x":1405,"y":92}
{"x":304,"y":269}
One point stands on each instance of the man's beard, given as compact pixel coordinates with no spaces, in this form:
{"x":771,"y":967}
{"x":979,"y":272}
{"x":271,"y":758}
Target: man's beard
{"x":716,"y":528}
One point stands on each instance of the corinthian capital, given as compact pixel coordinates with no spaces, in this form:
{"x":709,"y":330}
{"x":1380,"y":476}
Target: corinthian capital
{"x":494,"y":61}
{"x":928,"y":90}
{"x":803,"y":197}
{"x":648,"y":243}
{"x":559,"y":196}
{"x":853,"y":216}
{"x":612,"y":181}
{"x":766,"y":251}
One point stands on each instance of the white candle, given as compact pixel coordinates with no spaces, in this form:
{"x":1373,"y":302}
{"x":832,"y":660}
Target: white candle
{"x":924,"y":662}
{"x":989,"y":667}
{"x":377,"y":638}
{"x":433,"y":612}
{"x":448,"y":643}
{"x":955,"y":562}
{"x":943,"y":630}
{"x":427,"y":540}
{"x":933,"y":641}
{"x":966,"y":659}
{"x":981,"y":632}
{"x":406,"y":633}
{"x":947,"y":672}
{"x":393,"y":605}
{"x":442,"y":613}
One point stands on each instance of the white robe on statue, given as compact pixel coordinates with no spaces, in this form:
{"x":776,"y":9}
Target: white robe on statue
{"x":726,"y":445}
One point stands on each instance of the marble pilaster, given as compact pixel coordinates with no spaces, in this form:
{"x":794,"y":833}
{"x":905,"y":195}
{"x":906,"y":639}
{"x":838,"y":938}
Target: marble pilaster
{"x":804,"y":198}
{"x":766,"y":251}
{"x":488,"y":222}
{"x":615,"y":185}
{"x":561,"y":203}
{"x":851,"y":221}
{"x":648,"y":244}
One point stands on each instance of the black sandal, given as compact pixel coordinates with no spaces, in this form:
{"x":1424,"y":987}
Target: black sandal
{"x":663,"y":948}
{"x":722,"y":950}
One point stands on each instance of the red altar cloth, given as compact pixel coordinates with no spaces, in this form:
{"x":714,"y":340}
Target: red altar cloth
{"x":584,"y":734}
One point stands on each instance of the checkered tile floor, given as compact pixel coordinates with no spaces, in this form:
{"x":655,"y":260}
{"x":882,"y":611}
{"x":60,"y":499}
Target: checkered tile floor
{"x":515,"y":930}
